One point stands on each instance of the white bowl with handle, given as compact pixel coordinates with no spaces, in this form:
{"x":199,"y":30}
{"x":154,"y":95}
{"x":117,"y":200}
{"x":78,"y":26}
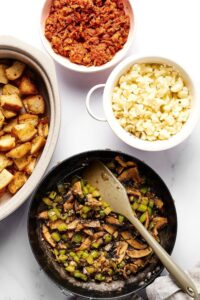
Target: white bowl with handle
{"x":43,"y":66}
{"x":125,"y":136}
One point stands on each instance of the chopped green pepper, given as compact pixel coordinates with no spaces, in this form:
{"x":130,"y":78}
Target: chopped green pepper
{"x":47,"y":201}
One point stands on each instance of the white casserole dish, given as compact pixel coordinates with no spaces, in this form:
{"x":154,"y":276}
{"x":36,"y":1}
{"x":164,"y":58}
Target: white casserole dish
{"x":44,"y":67}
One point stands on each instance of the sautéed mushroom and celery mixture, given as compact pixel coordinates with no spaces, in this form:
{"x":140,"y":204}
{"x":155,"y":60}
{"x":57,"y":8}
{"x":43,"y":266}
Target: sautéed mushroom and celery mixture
{"x":88,"y":239}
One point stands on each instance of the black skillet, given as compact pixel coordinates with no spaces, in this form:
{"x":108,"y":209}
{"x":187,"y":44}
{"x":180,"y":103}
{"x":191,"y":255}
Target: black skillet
{"x":73,"y":165}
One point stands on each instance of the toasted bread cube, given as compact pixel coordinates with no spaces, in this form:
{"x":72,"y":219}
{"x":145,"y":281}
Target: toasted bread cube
{"x":3,"y":78}
{"x":10,"y":89}
{"x":1,"y":133}
{"x":28,"y":119}
{"x":17,"y":182}
{"x":8,"y":114}
{"x":22,"y":163}
{"x":5,"y":178}
{"x":19,"y":151}
{"x":8,"y":127}
{"x":15,"y":71}
{"x":27,"y":87}
{"x":4,"y":162}
{"x":35,"y":104}
{"x":43,"y":127}
{"x":37,"y":143}
{"x":31,"y":166}
{"x":11,"y":102}
{"x":7,"y":142}
{"x":24,"y":132}
{"x":2,"y":119}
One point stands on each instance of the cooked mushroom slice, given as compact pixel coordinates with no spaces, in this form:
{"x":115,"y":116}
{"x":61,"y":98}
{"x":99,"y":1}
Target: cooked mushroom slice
{"x":77,"y":189}
{"x":133,"y":192}
{"x":109,"y":228}
{"x":158,"y":223}
{"x":68,"y":205}
{"x":147,"y":220}
{"x":112,"y":220}
{"x":121,"y":251}
{"x":92,"y":201}
{"x":92,"y":224}
{"x":79,"y":227}
{"x":123,"y":163}
{"x":47,"y":236}
{"x":131,"y":173}
{"x":73,"y":224}
{"x":98,"y":235}
{"x":55,"y":224}
{"x":127,"y":236}
{"x":88,"y":232}
{"x":129,"y":268}
{"x":139,"y":253}
{"x":159,"y":203}
{"x":43,"y":215}
{"x":85,"y":244}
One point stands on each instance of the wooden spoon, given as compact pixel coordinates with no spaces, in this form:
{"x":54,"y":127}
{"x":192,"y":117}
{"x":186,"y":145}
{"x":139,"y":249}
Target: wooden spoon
{"x":100,"y":177}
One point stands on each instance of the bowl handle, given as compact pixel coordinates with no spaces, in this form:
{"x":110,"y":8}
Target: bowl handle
{"x":88,"y":99}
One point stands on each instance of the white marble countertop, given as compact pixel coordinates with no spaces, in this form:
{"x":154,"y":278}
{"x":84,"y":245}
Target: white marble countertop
{"x":162,"y":27}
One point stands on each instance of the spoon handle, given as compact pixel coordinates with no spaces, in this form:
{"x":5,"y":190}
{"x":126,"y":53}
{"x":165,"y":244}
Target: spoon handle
{"x":182,"y":279}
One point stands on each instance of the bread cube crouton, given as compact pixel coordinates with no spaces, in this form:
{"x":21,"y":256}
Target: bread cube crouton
{"x":8,"y":114}
{"x":19,"y":151}
{"x":4,"y":162}
{"x":3,"y":78}
{"x":2,"y":119}
{"x":1,"y":133}
{"x":8,"y":127}
{"x":15,"y":71}
{"x":17,"y":182}
{"x":37,"y":143}
{"x":9,"y":89}
{"x":11,"y":102}
{"x":43,"y":127}
{"x":5,"y":178}
{"x":31,"y":166}
{"x":22,"y":163}
{"x":24,"y":132}
{"x":34,"y":104}
{"x":27,"y":87}
{"x":7,"y":142}
{"x":28,"y":119}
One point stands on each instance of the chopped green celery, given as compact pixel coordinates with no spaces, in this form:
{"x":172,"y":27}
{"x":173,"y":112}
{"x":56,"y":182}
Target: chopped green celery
{"x":47,"y":201}
{"x":55,"y":252}
{"x":76,"y":258}
{"x":85,"y":254}
{"x":64,"y":216}
{"x":62,"y":227}
{"x":121,"y":218}
{"x":64,"y":237}
{"x":62,"y":257}
{"x":95,"y":245}
{"x":151,"y":203}
{"x":105,"y":204}
{"x":61,"y":188}
{"x":122,"y":264}
{"x":57,"y":212}
{"x":85,"y":191}
{"x":108,"y":238}
{"x":62,"y":251}
{"x":99,"y":277}
{"x":151,"y":225}
{"x":70,"y":269}
{"x":72,"y":254}
{"x":91,"y":189}
{"x":135,"y":205}
{"x":90,"y":260}
{"x":145,"y":201}
{"x":52,"y":195}
{"x":142,"y":208}
{"x":94,"y":254}
{"x":107,"y":210}
{"x":78,"y":274}
{"x":90,"y":269}
{"x":150,"y":211}
{"x":132,"y":198}
{"x":110,"y":272}
{"x":96,"y":194}
{"x":52,"y":215}
{"x":84,"y":216}
{"x":143,"y":217}
{"x":102,"y":213}
{"x":86,"y":209}
{"x":55,"y":236}
{"x":144,"y":190}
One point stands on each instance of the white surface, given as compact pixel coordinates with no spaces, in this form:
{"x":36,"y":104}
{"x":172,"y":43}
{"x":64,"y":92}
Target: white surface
{"x":169,"y":27}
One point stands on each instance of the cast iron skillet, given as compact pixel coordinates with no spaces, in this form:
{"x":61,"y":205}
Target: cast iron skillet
{"x":65,"y":169}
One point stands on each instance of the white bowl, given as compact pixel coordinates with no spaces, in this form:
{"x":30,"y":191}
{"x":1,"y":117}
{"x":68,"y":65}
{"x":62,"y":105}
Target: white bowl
{"x":80,"y":68}
{"x":44,"y":67}
{"x":122,"y":133}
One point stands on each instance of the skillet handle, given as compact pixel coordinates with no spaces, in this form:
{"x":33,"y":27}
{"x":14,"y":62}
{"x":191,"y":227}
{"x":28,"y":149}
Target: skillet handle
{"x":88,"y":99}
{"x":182,"y":279}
